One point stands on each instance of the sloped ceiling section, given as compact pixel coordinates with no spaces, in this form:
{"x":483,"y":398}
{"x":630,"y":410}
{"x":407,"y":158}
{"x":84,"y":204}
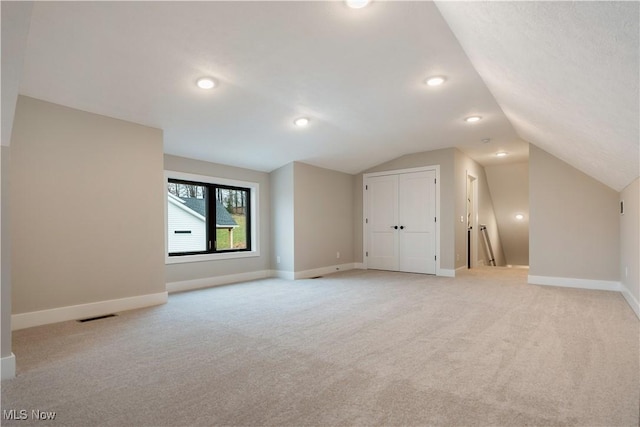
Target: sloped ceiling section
{"x":565,"y":74}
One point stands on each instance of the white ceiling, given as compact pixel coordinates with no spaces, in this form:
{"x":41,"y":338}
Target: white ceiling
{"x":356,"y":73}
{"x":565,"y":74}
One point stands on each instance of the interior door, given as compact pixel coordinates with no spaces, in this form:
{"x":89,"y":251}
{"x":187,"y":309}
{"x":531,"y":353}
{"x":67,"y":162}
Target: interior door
{"x":417,"y":220}
{"x":382,"y":192}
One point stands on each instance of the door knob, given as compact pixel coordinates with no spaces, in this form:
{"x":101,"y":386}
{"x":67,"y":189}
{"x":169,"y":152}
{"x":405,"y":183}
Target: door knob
{"x":402,"y":227}
{"x":394,"y":226}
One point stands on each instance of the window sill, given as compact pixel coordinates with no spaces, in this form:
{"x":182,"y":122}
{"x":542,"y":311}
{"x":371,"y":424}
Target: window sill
{"x":209,"y":257}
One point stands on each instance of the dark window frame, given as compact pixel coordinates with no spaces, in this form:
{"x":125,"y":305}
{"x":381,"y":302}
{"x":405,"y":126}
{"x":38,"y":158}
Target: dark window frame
{"x":210,"y":211}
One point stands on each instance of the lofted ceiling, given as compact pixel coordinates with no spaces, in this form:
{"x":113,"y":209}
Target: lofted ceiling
{"x":565,"y":74}
{"x":358,"y":74}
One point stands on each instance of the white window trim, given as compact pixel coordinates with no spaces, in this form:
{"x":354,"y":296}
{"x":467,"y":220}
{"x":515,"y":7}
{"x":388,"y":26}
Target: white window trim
{"x":255,"y":197}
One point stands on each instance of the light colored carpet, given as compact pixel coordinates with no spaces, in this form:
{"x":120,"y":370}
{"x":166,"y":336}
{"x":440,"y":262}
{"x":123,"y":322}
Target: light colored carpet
{"x":352,"y":349}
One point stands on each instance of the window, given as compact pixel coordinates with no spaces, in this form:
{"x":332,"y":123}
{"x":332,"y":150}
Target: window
{"x":209,"y":218}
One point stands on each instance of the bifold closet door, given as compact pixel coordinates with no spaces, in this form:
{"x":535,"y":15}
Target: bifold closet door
{"x":401,"y":222}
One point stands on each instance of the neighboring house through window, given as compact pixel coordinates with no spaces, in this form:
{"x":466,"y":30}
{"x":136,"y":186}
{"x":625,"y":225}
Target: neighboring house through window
{"x":209,"y":217}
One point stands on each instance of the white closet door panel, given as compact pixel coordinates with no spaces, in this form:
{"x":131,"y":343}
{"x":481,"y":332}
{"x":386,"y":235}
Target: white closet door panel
{"x":384,"y":252}
{"x":418,"y":254}
{"x":417,"y":222}
{"x":383,"y":217}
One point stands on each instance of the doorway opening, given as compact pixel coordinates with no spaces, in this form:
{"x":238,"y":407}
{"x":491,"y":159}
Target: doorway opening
{"x":472,"y":221}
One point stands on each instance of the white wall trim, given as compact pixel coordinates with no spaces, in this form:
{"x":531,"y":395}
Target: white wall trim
{"x":440,"y":272}
{"x":635,"y":305}
{"x":208,"y":282}
{"x":475,"y":226}
{"x":295,"y":275}
{"x":322,"y":271}
{"x":283,"y":274}
{"x":81,"y":311}
{"x":406,"y":170}
{"x":446,"y":272}
{"x":8,"y":367}
{"x":568,"y":282}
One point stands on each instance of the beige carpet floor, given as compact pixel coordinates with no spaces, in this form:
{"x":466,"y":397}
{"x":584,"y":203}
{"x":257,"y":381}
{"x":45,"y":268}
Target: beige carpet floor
{"x":356,"y":348}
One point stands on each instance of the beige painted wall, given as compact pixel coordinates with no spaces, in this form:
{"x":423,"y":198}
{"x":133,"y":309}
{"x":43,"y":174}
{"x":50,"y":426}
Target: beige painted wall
{"x":574,"y":222}
{"x":86,"y":204}
{"x":200,"y":270}
{"x":444,"y":158}
{"x":282,"y":219}
{"x":323,"y":209}
{"x":630,"y":240}
{"x":509,"y":187}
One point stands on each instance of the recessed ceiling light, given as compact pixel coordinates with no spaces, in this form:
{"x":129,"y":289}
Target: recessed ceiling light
{"x":519,"y":217}
{"x":485,"y":140}
{"x":501,"y":154}
{"x":435,"y":80}
{"x":206,"y":83}
{"x":472,"y":119}
{"x":357,"y":4}
{"x":301,"y":121}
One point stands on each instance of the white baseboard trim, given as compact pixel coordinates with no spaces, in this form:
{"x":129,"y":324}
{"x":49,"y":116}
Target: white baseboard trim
{"x":446,"y":272}
{"x":635,"y":305}
{"x":283,"y":274}
{"x":8,"y":367}
{"x":208,"y":282}
{"x":322,"y":271}
{"x":362,"y":266}
{"x":81,"y":311}
{"x":568,"y":282}
{"x":295,"y":275}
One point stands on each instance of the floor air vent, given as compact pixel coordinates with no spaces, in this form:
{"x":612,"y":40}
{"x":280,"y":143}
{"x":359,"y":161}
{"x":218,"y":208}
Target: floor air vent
{"x":90,"y":319}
